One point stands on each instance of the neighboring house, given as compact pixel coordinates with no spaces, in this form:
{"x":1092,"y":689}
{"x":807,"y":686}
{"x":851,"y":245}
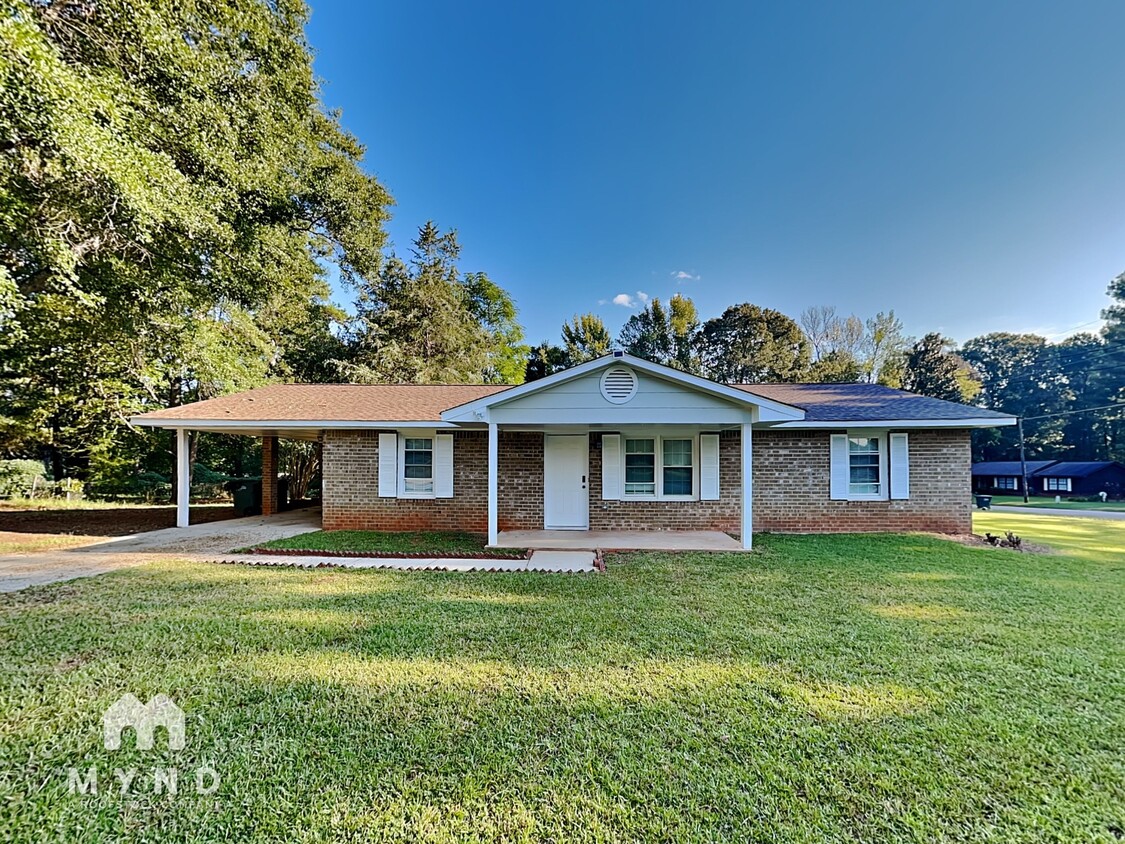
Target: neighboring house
{"x":1005,"y":477}
{"x":1085,"y":478}
{"x":616,"y":443}
{"x":1050,"y":477}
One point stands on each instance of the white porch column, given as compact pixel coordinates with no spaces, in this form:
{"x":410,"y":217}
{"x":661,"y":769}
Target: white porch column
{"x":747,"y":486}
{"x":183,"y":477}
{"x":493,"y":461}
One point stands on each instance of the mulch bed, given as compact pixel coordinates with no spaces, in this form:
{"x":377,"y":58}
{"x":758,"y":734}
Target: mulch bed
{"x":517,"y":554}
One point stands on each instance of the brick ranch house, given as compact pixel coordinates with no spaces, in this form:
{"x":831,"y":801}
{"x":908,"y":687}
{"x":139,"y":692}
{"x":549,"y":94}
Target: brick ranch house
{"x":617,"y":443}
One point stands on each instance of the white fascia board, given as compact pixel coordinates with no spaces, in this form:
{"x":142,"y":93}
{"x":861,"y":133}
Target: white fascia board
{"x":998,"y":422}
{"x":281,"y":424}
{"x":769,"y":410}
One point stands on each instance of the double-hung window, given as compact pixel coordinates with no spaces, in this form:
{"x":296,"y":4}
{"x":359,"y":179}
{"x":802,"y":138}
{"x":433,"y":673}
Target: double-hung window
{"x":640,"y":467}
{"x":865,"y":467}
{"x":1056,"y":484}
{"x":1004,"y":483}
{"x":418,"y":466}
{"x":660,"y":467}
{"x":677,"y":467}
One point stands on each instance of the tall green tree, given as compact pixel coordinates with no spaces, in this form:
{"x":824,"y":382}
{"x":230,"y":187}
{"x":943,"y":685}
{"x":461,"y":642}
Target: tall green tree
{"x":884,"y":350}
{"x":423,"y":321}
{"x":1088,"y":383}
{"x":165,"y":169}
{"x":664,"y":335}
{"x":933,"y":369}
{"x":543,"y":360}
{"x":1019,"y":374}
{"x":749,"y":344}
{"x":585,"y":337}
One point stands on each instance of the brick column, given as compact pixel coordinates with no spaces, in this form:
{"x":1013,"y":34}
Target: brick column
{"x":269,"y":476}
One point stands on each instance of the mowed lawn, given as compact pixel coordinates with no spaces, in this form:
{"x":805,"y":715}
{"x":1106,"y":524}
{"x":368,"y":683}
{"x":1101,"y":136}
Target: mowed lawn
{"x":1043,"y":502}
{"x":821,"y":689}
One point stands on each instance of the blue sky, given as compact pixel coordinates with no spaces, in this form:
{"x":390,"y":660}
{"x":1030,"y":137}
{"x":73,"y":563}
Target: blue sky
{"x":962,"y":163}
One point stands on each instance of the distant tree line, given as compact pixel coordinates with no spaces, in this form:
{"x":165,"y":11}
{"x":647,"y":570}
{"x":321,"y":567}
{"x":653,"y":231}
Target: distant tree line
{"x":174,"y":198}
{"x":1019,"y":374}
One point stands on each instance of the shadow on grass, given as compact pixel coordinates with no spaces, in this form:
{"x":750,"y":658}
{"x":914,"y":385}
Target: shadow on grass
{"x":800,"y":692}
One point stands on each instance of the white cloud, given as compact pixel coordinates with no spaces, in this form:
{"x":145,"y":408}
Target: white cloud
{"x":628,"y":300}
{"x":682,"y":275}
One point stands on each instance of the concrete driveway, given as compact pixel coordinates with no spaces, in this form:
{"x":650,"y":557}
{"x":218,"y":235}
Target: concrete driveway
{"x":1112,"y":515}
{"x":34,"y":568}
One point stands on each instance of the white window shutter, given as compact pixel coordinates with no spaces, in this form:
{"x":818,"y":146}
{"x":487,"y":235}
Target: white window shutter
{"x":443,"y":465}
{"x":708,"y":467}
{"x":611,"y":467}
{"x":839,"y":467}
{"x":388,"y":465}
{"x":900,"y":465}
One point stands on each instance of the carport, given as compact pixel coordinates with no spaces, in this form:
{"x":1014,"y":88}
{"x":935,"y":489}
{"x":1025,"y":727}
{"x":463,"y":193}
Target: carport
{"x":269,"y":436}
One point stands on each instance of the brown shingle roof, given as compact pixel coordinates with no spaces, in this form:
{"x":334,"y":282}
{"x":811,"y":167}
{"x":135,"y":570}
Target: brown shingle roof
{"x":340,"y":403}
{"x":332,"y":403}
{"x":865,"y":403}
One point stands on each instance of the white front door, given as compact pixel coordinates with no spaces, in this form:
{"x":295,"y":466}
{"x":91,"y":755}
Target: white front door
{"x":566,"y":465}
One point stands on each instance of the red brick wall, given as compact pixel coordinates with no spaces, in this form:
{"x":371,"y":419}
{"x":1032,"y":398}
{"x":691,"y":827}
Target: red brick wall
{"x":520,"y":495}
{"x":724,"y":514}
{"x":269,"y":476}
{"x":791,"y":486}
{"x":351,"y":487}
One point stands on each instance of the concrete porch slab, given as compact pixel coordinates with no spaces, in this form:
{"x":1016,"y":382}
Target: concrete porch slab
{"x":618,"y":540}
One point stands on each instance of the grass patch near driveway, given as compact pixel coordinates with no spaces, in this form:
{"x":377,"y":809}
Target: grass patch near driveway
{"x":1045,"y":503}
{"x":820,"y":689}
{"x":1093,"y":539}
{"x":437,"y":543}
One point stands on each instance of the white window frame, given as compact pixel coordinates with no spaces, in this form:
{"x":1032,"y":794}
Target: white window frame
{"x":883,"y":437}
{"x":1056,"y":485}
{"x":1006,"y":482}
{"x":658,"y":438}
{"x":423,"y":434}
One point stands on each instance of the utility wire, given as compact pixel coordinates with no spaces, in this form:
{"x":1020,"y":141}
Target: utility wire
{"x":1072,"y":412}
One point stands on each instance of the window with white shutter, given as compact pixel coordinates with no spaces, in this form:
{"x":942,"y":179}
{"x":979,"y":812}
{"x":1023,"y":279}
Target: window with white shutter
{"x":388,"y":465}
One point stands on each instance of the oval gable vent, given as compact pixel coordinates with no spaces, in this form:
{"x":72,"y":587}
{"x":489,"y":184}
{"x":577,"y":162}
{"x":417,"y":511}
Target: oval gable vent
{"x":619,"y":384}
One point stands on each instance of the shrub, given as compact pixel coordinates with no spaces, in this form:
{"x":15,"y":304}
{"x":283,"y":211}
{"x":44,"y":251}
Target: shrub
{"x":18,"y":477}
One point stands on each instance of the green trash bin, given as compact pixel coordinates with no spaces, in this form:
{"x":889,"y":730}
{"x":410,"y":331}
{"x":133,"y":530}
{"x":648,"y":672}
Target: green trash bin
{"x":247,"y":498}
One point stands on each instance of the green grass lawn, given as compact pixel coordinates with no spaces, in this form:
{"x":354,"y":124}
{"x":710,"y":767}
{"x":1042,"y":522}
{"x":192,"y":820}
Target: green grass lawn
{"x":1091,"y":539}
{"x":827,"y":689}
{"x":442,"y":543}
{"x":1044,"y":503}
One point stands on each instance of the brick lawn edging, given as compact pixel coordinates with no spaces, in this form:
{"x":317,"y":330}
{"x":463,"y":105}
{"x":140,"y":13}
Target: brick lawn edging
{"x":525,"y":554}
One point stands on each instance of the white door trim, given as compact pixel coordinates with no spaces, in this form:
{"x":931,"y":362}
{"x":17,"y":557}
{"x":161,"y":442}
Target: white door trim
{"x":566,"y":485}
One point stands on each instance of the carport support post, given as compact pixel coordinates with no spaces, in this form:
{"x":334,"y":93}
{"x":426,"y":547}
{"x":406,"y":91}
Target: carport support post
{"x":493,"y":461}
{"x":747,"y":486}
{"x":183,"y":477}
{"x":269,"y":476}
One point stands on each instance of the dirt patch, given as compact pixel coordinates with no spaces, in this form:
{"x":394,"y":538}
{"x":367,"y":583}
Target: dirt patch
{"x":108,"y":521}
{"x":21,"y":543}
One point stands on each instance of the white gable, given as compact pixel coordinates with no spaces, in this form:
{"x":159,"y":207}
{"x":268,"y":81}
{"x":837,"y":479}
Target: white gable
{"x":655,"y":401}
{"x":621,"y":390}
